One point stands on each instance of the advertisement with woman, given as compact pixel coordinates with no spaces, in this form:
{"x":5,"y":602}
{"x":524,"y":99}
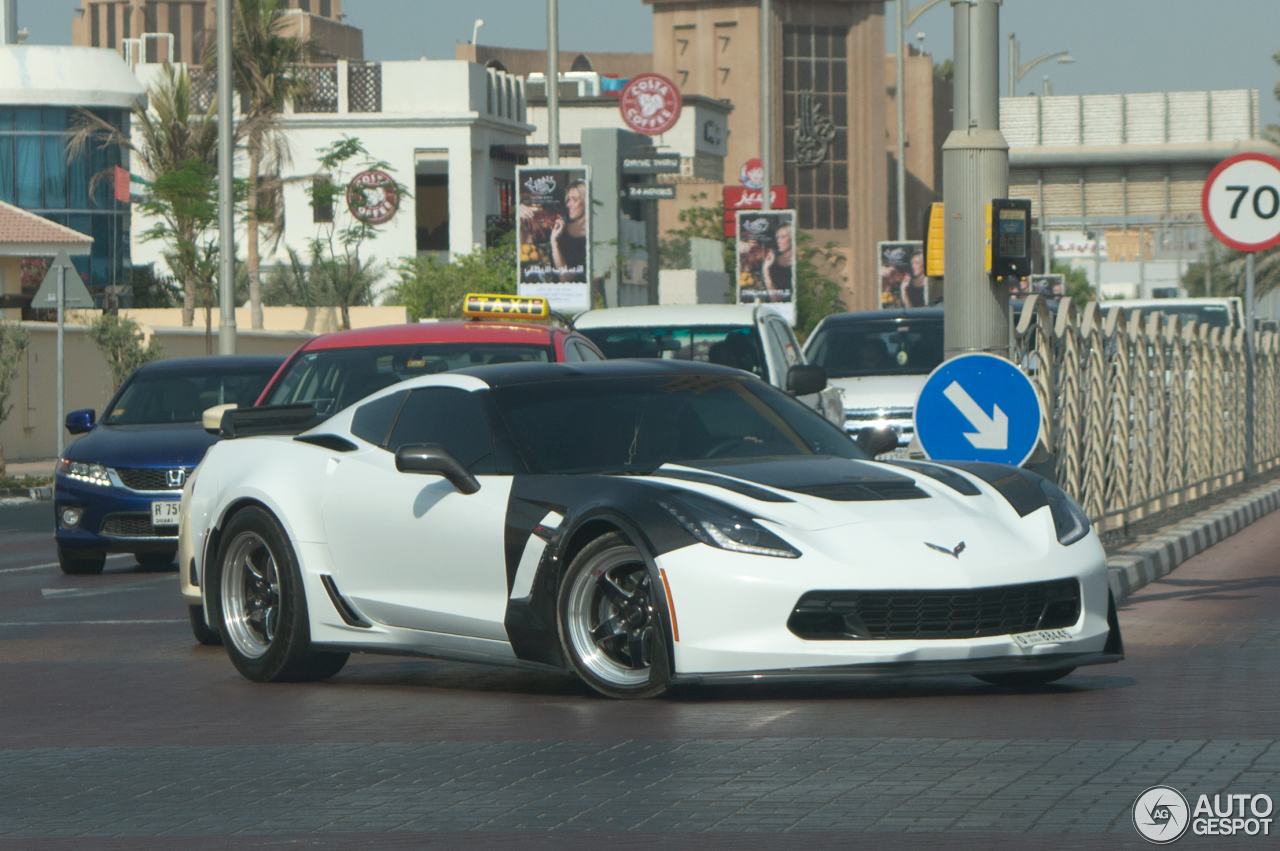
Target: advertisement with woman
{"x":902,"y":276}
{"x":553,"y":230}
{"x":767,"y":260}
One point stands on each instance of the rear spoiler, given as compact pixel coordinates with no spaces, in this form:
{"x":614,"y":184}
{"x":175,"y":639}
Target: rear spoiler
{"x":269,"y":419}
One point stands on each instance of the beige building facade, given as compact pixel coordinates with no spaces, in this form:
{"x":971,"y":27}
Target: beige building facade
{"x":830,"y":129}
{"x":186,"y":27}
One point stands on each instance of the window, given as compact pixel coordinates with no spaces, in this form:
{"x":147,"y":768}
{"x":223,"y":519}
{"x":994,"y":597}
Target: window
{"x":322,"y":201}
{"x":326,"y":8}
{"x":372,"y":422}
{"x":94,"y":27}
{"x":110,"y":10}
{"x":166,"y":396}
{"x":175,"y":27}
{"x":733,"y":346}
{"x":588,"y":354}
{"x":449,"y":417}
{"x":815,"y":86}
{"x":786,"y":341}
{"x":878,"y":347}
{"x":197,"y":33}
{"x":432,"y":207}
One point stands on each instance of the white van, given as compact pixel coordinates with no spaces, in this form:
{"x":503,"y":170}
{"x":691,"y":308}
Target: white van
{"x":1225,"y":312}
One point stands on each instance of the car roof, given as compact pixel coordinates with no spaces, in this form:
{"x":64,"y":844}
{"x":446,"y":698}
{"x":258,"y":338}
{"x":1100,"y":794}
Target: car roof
{"x":271,"y":362}
{"x":669,"y":314}
{"x":444,"y":331}
{"x":500,"y":375}
{"x":900,"y":313}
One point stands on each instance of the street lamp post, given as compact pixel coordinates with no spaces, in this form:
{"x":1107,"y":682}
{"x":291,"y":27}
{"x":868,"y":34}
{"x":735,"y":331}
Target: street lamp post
{"x":1019,"y":69}
{"x":475,"y":31}
{"x":226,"y":197}
{"x":906,"y":17}
{"x":553,"y":83}
{"x":766,"y":103}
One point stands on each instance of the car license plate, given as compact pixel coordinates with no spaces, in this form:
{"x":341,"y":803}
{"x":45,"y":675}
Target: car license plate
{"x":1046,"y":636}
{"x":164,"y":513}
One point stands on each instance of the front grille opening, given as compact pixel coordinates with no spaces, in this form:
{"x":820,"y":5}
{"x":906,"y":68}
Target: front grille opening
{"x":144,"y":479}
{"x":134,"y":526}
{"x":922,"y":615}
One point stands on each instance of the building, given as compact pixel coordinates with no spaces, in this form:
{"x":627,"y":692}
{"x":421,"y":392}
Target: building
{"x":181,"y":30}
{"x":1115,"y":180}
{"x":446,"y":129}
{"x":829,"y":88}
{"x":24,"y":238}
{"x":522,"y":62}
{"x":43,"y":92}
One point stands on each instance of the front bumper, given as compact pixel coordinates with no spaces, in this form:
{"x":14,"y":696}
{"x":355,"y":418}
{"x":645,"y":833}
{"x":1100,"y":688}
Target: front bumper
{"x":731,"y":613}
{"x":114,"y":520}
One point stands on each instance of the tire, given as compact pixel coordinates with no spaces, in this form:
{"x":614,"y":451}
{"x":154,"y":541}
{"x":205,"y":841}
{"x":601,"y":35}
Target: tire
{"x":75,"y":563}
{"x":201,"y":630}
{"x":155,"y":561}
{"x":260,"y":605}
{"x":1026,"y":679}
{"x":610,"y":621}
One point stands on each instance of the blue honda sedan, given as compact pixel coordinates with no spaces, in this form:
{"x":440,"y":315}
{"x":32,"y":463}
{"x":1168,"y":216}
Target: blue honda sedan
{"x":117,"y":489}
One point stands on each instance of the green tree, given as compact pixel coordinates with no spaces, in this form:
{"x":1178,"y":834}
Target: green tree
{"x":292,"y":285}
{"x":13,"y":343}
{"x":1077,"y":282}
{"x":336,"y":265}
{"x":153,"y":290}
{"x":430,"y":288}
{"x":119,"y":339}
{"x":266,"y":76}
{"x":702,"y":221}
{"x":175,"y":146}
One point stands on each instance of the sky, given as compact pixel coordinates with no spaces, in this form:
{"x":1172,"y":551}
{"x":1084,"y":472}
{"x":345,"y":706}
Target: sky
{"x":1118,"y":45}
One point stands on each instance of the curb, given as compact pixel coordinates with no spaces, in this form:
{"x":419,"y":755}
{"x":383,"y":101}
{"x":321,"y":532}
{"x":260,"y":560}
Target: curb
{"x":44,"y":494}
{"x":1132,"y":569}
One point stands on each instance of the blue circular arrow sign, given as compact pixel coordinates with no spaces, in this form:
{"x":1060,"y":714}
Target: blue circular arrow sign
{"x":978,"y":407}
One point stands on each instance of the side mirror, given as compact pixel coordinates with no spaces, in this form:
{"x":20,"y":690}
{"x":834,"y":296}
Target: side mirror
{"x":212,"y":417}
{"x":432,"y":458}
{"x":78,"y":422}
{"x":804,"y":380}
{"x":877,"y":441}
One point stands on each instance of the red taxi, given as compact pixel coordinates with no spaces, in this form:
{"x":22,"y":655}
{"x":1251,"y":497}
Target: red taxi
{"x":335,"y":370}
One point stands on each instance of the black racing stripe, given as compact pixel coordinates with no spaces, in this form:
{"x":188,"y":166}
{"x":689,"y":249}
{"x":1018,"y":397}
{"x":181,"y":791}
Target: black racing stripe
{"x":735,"y":485}
{"x":948,"y":477}
{"x":1019,"y":487}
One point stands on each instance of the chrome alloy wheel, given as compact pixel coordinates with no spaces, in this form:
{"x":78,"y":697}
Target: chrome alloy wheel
{"x":611,"y":621}
{"x":250,"y":595}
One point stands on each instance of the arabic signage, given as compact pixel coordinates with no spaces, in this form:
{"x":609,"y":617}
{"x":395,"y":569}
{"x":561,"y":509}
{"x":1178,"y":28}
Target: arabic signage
{"x":744,"y":198}
{"x":553,"y":230}
{"x":766,"y":260}
{"x":650,"y":104}
{"x":372,"y":197}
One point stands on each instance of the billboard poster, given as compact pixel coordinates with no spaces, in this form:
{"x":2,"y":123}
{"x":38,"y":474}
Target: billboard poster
{"x":767,"y":260}
{"x":1052,"y":287}
{"x":553,"y":232}
{"x":745,"y":198}
{"x":902,"y":276}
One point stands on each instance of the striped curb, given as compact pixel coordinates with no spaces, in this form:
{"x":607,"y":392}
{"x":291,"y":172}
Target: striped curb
{"x":1158,"y":556}
{"x":43,"y":494}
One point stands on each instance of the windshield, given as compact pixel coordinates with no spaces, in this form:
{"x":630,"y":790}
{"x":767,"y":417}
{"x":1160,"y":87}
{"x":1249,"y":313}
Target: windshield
{"x":637,"y":424}
{"x":1213,"y":315}
{"x":168,"y":396}
{"x":878,"y":347}
{"x":333,"y":379}
{"x":726,"y":345}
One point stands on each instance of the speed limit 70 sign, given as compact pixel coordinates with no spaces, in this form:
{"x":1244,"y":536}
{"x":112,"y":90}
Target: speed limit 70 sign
{"x":1241,"y":202}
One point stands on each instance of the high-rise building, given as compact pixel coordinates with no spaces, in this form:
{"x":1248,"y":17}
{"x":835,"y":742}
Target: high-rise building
{"x":828,"y":108}
{"x":180,"y":30}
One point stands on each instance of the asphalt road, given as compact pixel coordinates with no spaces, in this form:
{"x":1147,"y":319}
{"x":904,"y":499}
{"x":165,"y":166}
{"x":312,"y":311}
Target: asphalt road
{"x":118,"y":731}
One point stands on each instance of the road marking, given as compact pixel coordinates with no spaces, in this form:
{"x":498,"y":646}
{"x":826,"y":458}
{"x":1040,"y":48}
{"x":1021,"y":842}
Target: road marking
{"x":93,"y":623}
{"x":992,"y":431}
{"x":53,"y":564}
{"x":60,"y":593}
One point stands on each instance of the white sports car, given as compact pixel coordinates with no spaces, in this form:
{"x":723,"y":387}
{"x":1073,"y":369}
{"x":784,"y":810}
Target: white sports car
{"x":640,"y":523}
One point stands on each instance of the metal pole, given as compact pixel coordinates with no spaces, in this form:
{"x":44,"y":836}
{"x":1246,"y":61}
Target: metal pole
{"x":1249,"y":409}
{"x":62,"y":361}
{"x":226,"y":196}
{"x":901,"y":100}
{"x":553,"y":82}
{"x":766,"y":102}
{"x":1013,"y":64}
{"x":975,"y":170}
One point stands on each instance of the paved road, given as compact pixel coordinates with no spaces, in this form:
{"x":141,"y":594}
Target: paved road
{"x":118,"y":731}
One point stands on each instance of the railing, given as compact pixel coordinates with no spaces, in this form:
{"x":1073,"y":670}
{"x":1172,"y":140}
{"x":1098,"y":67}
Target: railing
{"x":204,"y":88}
{"x":364,"y":87}
{"x":322,"y":88}
{"x":1141,"y":412}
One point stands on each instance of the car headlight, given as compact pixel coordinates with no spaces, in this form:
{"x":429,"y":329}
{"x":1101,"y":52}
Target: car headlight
{"x":718,"y":525}
{"x":93,"y":474}
{"x":1069,"y":519}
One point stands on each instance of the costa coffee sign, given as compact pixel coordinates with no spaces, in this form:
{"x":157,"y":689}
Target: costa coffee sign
{"x":650,"y":104}
{"x":373,"y":197}
{"x":745,"y":198}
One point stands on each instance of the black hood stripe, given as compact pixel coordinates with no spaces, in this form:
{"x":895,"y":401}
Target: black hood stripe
{"x":735,"y":485}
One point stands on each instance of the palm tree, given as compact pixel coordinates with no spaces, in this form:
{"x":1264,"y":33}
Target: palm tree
{"x":264,"y":72}
{"x":175,"y":145}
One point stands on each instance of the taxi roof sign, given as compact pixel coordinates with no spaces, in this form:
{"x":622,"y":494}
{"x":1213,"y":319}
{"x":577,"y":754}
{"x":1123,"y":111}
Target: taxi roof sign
{"x":483,"y":306}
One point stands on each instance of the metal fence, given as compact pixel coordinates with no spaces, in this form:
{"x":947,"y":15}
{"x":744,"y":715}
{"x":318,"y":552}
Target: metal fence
{"x":1144,"y":413}
{"x":322,"y":88}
